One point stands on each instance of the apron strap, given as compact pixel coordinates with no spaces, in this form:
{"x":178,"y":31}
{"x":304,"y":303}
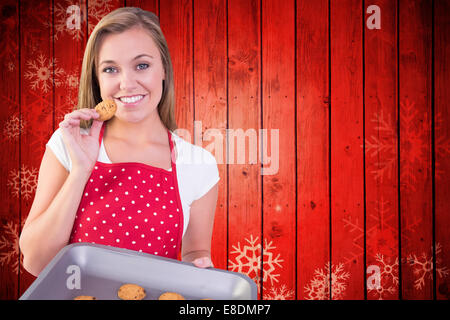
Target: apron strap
{"x":100,"y":137}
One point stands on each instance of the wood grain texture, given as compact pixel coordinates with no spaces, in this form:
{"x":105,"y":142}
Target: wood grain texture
{"x":244,"y":169}
{"x":278,"y":116}
{"x":176,"y":24}
{"x":442,"y":146}
{"x":415,"y":149}
{"x":10,"y":120}
{"x":347,"y":165}
{"x":361,"y":117}
{"x":313,"y":210}
{"x":37,"y":104}
{"x":381,"y":156}
{"x":210,"y":104}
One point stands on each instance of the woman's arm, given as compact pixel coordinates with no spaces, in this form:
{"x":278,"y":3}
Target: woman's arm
{"x":58,"y":193}
{"x":196,"y":246}
{"x":50,"y":221}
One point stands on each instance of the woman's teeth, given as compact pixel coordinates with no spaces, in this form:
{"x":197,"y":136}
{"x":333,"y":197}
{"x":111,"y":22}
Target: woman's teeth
{"x":131,"y":99}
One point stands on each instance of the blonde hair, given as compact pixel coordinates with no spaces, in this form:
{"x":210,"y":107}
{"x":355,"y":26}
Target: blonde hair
{"x":118,"y":21}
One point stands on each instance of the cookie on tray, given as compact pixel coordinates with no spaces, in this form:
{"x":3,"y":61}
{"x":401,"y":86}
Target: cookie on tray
{"x":131,"y":291}
{"x":85,"y":298}
{"x":171,"y":296}
{"x":106,"y":109}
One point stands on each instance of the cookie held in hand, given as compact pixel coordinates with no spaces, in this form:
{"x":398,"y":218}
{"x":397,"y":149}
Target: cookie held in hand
{"x":131,"y":291}
{"x":106,"y":109}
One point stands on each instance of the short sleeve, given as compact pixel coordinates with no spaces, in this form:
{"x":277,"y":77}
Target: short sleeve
{"x":207,"y":173}
{"x":56,"y":144}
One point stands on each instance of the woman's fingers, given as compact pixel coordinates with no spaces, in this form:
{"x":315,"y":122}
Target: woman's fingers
{"x":95,"y":129}
{"x":85,"y":114}
{"x":73,"y":119}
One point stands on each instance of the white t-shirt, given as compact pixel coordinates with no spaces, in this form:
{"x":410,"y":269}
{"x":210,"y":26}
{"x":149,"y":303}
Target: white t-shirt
{"x":197,"y":170}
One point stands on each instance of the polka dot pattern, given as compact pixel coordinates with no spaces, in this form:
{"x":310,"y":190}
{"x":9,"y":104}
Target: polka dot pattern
{"x":132,"y":206}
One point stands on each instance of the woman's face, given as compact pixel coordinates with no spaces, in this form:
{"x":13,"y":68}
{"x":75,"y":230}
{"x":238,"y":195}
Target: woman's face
{"x":131,"y":72}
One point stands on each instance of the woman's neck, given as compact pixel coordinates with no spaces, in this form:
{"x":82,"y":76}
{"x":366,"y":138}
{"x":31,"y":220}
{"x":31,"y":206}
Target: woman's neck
{"x":150,"y":130}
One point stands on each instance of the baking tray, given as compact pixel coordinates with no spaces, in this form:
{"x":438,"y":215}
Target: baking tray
{"x":98,"y":270}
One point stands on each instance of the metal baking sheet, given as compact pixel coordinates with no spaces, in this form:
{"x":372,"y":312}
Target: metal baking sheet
{"x":99,"y":271}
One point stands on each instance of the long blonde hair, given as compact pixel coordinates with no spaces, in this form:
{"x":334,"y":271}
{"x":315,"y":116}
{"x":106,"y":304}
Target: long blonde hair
{"x":118,"y":21}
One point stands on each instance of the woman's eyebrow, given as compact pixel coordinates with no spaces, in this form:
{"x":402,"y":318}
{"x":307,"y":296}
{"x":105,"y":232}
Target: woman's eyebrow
{"x":135,"y":58}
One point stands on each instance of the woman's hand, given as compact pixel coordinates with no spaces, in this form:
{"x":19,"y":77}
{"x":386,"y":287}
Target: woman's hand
{"x":83,"y":149}
{"x":203,"y":262}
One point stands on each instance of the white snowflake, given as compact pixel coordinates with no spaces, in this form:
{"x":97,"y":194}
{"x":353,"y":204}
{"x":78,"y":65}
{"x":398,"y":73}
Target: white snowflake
{"x":97,"y":9}
{"x":388,"y":278}
{"x":281,"y":293}
{"x":9,"y":246}
{"x":23,"y":182}
{"x":43,"y":73}
{"x":319,"y":286}
{"x":382,"y":147}
{"x":423,"y":267}
{"x":13,"y":127}
{"x":248,"y":260}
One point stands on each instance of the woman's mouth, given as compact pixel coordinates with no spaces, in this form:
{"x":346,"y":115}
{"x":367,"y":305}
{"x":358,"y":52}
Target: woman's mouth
{"x":131,"y":100}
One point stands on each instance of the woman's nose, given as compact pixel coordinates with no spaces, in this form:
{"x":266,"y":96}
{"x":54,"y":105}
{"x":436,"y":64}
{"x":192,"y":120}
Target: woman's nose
{"x":127,"y":81}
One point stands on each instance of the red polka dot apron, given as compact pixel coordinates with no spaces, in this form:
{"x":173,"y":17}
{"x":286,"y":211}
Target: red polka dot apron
{"x":131,"y":205}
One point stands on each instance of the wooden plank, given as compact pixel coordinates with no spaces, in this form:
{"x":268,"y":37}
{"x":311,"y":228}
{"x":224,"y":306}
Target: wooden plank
{"x":176,"y":24}
{"x":149,"y":5}
{"x":415,"y":148}
{"x":244,"y":112}
{"x":442,"y":146}
{"x":313,"y":210}
{"x":69,"y":41}
{"x":210,"y":104}
{"x":279,"y":184}
{"x":98,"y":9}
{"x":9,"y":157}
{"x":381,"y":156}
{"x":38,"y":75}
{"x":347,"y":166}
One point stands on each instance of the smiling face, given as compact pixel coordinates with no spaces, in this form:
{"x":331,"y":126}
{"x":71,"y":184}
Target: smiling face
{"x":131,"y":72}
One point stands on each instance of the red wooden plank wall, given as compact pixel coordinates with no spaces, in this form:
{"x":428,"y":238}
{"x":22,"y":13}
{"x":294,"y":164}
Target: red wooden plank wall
{"x":328,"y":120}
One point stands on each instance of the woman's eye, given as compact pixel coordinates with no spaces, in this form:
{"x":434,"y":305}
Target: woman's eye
{"x":142,"y":66}
{"x":109,"y":70}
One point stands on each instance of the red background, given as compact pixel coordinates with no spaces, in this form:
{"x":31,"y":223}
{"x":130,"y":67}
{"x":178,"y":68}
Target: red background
{"x":363,"y":179}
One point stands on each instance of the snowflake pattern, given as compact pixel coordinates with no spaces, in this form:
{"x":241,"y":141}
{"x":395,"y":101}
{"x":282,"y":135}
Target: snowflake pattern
{"x":382,"y":147}
{"x":388,"y":278}
{"x":9,"y":246}
{"x":23,"y":182}
{"x":62,"y":14}
{"x":64,"y":23}
{"x":247,"y":260}
{"x":13,"y":127}
{"x":423,"y":267}
{"x":383,"y":231}
{"x":43,"y":73}
{"x":281,"y":293}
{"x":416,"y":150}
{"x":319,"y":286}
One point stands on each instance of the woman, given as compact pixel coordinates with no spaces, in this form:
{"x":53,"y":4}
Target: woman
{"x":128,"y":182}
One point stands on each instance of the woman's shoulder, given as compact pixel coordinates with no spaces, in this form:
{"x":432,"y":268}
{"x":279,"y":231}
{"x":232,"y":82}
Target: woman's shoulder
{"x":188,"y":153}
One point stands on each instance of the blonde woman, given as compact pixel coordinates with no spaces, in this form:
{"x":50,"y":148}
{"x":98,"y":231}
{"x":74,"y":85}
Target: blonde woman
{"x":129,"y":182}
